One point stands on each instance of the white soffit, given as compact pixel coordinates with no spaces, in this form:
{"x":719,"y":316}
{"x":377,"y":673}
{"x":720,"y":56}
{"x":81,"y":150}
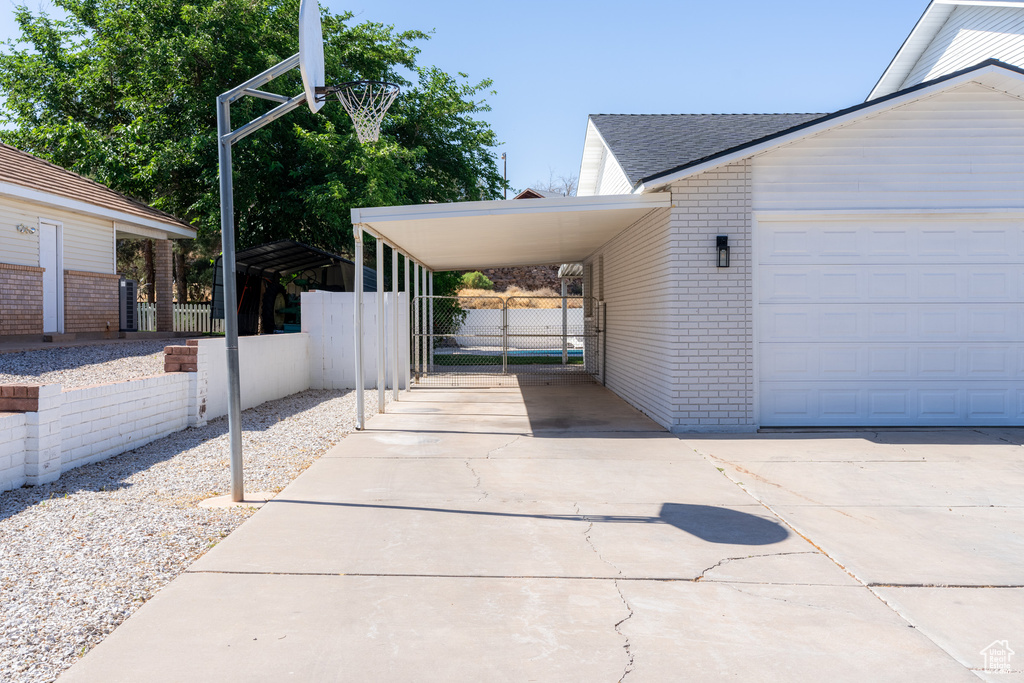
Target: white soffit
{"x":496,"y":234}
{"x":928,"y":26}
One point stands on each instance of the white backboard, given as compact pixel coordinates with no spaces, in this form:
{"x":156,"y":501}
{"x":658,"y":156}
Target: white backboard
{"x":311,"y":51}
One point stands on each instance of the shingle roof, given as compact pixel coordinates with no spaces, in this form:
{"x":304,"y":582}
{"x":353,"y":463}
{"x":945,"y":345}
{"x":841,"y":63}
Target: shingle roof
{"x":650,"y":144}
{"x":21,"y":168}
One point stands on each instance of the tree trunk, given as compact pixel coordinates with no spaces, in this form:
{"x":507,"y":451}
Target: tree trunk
{"x":180,"y":279}
{"x":147,"y":255}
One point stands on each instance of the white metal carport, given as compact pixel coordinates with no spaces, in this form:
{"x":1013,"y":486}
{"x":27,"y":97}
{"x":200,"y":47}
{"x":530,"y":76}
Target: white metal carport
{"x":491,"y":234}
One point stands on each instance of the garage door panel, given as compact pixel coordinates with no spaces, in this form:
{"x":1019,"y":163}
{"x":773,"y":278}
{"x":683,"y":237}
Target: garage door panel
{"x":890,"y":320}
{"x":881,"y":362}
{"x":797,"y":404}
{"x":880,"y":284}
{"x":931,"y":240}
{"x":903,"y":323}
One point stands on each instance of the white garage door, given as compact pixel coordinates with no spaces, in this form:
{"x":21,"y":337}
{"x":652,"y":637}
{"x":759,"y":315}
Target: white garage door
{"x":892,"y":320}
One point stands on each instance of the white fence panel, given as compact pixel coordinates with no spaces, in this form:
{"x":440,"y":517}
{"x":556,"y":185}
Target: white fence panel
{"x":187,"y":318}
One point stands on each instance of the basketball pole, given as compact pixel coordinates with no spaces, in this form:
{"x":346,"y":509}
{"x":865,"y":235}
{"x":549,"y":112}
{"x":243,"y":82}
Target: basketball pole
{"x":226,"y":139}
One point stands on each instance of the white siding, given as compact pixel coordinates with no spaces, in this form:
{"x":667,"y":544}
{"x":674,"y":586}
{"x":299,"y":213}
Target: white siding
{"x":971,"y":35}
{"x":958,"y":149}
{"x":88,"y":241}
{"x":611,"y":178}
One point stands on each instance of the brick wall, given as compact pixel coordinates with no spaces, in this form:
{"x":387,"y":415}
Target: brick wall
{"x":715,"y":370}
{"x":679,"y":340}
{"x":21,"y":299}
{"x":90,"y":302}
{"x":164,"y":285}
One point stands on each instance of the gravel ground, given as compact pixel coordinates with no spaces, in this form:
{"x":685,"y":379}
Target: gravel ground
{"x":80,"y":555}
{"x":82,"y":366}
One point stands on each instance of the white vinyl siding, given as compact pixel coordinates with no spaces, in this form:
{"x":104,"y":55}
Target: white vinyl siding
{"x":18,"y":248}
{"x":971,"y":35}
{"x":958,"y":149}
{"x":611,"y":178}
{"x":88,"y":241}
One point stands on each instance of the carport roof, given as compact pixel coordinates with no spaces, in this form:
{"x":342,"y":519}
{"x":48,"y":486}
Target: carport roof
{"x":498,"y":234}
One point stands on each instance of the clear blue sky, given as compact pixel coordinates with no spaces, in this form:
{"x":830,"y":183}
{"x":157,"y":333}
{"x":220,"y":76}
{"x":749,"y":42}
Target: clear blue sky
{"x":555,"y":63}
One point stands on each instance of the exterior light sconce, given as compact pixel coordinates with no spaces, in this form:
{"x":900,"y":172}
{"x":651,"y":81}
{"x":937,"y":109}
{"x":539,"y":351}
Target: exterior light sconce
{"x":722,"y":242}
{"x":28,"y":230}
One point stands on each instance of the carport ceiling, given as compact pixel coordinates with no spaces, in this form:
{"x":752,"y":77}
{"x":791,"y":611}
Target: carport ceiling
{"x":496,"y":234}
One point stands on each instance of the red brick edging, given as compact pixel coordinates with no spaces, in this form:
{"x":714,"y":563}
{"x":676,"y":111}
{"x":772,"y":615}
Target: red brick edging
{"x":19,"y":398}
{"x":182,"y":358}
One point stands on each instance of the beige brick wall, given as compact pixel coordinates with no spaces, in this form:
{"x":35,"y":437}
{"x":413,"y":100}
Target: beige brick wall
{"x":21,"y":299}
{"x":90,"y":302}
{"x":679,"y":337}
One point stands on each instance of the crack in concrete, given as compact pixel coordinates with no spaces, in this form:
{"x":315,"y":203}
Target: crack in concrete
{"x":749,"y":557}
{"x":590,"y":541}
{"x":491,"y":452}
{"x":628,"y":647}
{"x":472,"y":471}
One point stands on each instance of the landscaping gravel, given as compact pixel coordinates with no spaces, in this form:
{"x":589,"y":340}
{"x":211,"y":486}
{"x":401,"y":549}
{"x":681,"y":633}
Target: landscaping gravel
{"x":80,"y":555}
{"x":82,"y":366}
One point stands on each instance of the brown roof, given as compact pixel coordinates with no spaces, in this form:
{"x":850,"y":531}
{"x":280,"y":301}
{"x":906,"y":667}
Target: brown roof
{"x":21,"y":168}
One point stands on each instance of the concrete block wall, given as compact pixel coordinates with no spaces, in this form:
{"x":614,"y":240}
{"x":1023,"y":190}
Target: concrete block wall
{"x":714,"y":378}
{"x":91,"y":302}
{"x":21,"y":294}
{"x":328,"y":318}
{"x":12,"y":450}
{"x":101,"y":421}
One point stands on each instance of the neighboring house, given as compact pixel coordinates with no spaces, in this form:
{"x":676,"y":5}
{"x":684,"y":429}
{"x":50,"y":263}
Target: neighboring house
{"x":530,"y":193}
{"x":58,"y":264}
{"x":876,"y":273}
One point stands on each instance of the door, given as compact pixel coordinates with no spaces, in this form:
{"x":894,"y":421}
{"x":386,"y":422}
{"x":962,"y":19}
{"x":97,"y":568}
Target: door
{"x":890,"y":321}
{"x":53,"y":282}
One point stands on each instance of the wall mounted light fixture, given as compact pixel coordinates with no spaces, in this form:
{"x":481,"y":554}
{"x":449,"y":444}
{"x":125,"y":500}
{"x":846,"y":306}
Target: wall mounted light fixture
{"x":27,"y":229}
{"x":723,"y":251}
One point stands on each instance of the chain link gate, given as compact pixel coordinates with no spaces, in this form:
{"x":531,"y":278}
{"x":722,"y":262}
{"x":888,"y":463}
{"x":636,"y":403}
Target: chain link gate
{"x":492,"y":341}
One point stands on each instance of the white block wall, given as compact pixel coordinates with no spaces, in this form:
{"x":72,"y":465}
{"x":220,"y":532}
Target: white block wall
{"x":269,"y":367}
{"x":329,"y":320}
{"x":12,"y":450}
{"x":101,"y":421}
{"x":679,"y":342}
{"x":531,"y":320}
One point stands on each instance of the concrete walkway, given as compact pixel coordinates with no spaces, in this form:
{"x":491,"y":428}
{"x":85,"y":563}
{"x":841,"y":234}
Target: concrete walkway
{"x":555,"y":534}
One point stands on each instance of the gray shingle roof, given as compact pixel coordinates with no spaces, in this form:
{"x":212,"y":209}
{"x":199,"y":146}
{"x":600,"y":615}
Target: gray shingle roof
{"x":651,"y":144}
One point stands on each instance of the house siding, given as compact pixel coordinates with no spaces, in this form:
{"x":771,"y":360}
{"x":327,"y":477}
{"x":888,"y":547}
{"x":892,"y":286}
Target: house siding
{"x":612,"y":179}
{"x":971,"y":35}
{"x":958,"y":149}
{"x":88,"y":242}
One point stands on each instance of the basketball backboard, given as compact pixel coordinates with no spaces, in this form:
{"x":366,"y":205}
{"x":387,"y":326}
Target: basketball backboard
{"x":311,"y":51}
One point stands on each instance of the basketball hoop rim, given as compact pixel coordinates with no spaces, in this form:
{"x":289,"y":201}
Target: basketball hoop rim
{"x":324,"y":92}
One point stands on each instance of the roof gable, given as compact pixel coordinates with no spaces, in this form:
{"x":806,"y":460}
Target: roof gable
{"x":953,"y":35}
{"x":34,"y":174}
{"x":645,"y":145}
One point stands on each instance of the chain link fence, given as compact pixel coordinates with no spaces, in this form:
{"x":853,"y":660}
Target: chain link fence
{"x":494,"y":341}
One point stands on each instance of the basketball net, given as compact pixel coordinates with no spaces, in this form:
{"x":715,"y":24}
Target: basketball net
{"x":366,"y":103}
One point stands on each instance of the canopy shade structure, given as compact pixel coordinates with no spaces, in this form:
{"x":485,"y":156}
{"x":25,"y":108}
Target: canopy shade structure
{"x":497,"y":234}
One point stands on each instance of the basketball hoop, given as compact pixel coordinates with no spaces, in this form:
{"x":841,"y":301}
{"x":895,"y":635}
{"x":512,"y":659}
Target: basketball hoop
{"x":366,"y":103}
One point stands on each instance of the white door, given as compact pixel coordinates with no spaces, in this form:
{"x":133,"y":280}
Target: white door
{"x":894,"y":320}
{"x":50,"y":259}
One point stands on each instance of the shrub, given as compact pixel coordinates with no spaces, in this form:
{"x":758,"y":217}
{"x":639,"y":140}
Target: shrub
{"x":476,"y":280}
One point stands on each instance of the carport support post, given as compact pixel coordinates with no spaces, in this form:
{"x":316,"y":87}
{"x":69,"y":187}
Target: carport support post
{"x":416,"y":321}
{"x":381,"y":355}
{"x":408,"y":361}
{"x":357,"y":233}
{"x":565,"y":324}
{"x":394,"y":324}
{"x":430,"y":316}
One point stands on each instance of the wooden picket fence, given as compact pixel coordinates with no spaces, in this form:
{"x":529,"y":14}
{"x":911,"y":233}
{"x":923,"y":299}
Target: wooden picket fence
{"x":187,"y":318}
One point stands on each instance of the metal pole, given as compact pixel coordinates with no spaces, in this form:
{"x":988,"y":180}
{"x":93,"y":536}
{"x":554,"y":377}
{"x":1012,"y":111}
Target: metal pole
{"x":565,"y":324}
{"x":416,"y":322}
{"x":504,"y":338}
{"x":227,"y":240}
{"x":381,"y":354}
{"x":426,"y":330}
{"x":408,"y":360}
{"x":357,"y":232}
{"x":430,"y":315}
{"x":394,"y":324}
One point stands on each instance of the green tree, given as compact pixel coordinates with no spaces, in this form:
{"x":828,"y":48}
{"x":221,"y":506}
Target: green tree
{"x":123,"y":91}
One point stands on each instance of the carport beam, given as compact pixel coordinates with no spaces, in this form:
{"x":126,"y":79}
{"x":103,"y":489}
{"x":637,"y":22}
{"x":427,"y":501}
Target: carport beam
{"x":357,"y":233}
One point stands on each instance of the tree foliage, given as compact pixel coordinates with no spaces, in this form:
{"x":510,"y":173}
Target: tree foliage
{"x":124,"y":91}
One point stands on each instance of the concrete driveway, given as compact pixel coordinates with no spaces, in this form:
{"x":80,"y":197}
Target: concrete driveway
{"x":555,"y":534}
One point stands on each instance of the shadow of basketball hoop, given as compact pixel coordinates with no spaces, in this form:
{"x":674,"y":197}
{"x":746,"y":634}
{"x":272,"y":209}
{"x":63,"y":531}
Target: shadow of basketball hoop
{"x":722,"y":525}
